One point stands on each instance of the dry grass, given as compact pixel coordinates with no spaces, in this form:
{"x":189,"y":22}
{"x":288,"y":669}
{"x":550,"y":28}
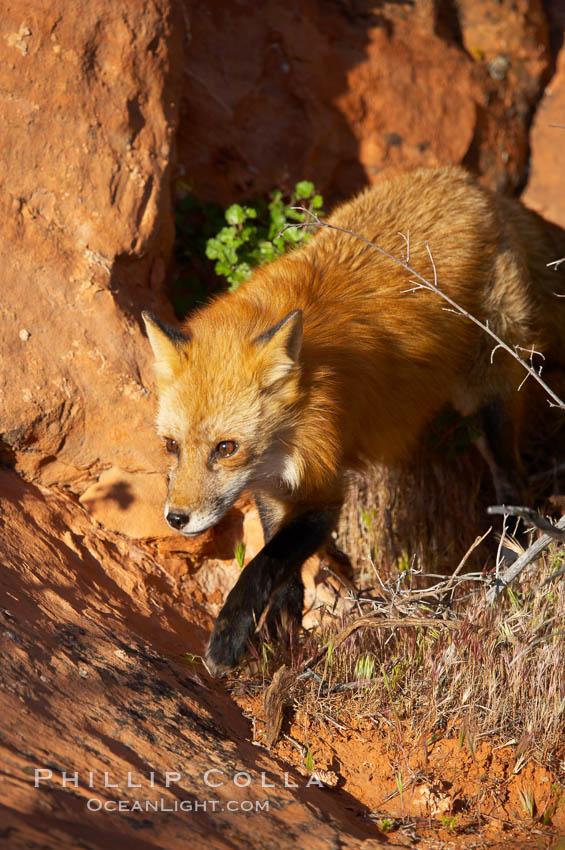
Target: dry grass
{"x":441,"y":659}
{"x":435,"y":655}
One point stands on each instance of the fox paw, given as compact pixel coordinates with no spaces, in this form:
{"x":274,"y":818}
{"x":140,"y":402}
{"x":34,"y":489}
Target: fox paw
{"x":228,"y":643}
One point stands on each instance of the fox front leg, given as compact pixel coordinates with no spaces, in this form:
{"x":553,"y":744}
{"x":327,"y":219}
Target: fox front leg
{"x":275,"y":565}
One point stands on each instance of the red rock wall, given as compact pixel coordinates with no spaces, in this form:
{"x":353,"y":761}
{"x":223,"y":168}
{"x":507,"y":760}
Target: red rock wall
{"x":89,"y":96}
{"x":340,"y":92}
{"x":545,"y":191}
{"x":95,"y":680}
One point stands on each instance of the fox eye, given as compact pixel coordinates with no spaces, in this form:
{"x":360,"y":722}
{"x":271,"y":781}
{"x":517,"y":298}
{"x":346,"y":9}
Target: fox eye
{"x":226,"y":448}
{"x":172,"y":446}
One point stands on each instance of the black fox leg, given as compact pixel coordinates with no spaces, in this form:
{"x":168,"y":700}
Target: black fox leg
{"x":498,"y":447}
{"x":275,"y":565}
{"x":286,"y":604}
{"x":287,"y":601}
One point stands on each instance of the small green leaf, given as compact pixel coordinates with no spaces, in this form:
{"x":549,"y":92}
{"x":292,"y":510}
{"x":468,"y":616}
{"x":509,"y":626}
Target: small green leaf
{"x":295,"y":215}
{"x":212,"y":249}
{"x":303,"y":190}
{"x":267,"y":251}
{"x":235,"y":214}
{"x":248,"y":233}
{"x":293,"y":234}
{"x":239,"y":553}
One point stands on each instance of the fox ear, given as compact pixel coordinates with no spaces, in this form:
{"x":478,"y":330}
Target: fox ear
{"x":167,"y":344}
{"x":281,"y":346}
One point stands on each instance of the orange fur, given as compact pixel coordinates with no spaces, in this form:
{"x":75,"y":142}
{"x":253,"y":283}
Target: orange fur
{"x":377,"y":360}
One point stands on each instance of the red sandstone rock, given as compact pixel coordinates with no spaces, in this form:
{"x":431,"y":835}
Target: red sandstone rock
{"x":131,"y":503}
{"x":88,"y":116}
{"x":545,"y":191}
{"x":338,"y":92}
{"x":94,"y":678}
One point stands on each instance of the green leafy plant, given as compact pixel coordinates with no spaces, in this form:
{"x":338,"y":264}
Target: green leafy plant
{"x":254,"y":235}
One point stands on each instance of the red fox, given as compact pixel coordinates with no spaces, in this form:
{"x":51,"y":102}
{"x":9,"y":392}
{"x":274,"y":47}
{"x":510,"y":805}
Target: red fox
{"x":328,"y":358}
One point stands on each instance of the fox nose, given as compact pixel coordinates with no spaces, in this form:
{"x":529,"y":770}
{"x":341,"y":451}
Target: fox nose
{"x":177,"y":519}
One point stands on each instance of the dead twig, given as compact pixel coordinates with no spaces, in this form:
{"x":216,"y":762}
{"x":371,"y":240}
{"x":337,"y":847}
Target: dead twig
{"x":513,"y":571}
{"x":374,"y":621}
{"x":274,"y":703}
{"x":531,"y":516}
{"x":465,"y":558}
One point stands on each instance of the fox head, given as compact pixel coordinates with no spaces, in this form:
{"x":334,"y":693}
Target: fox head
{"x":225,"y":412}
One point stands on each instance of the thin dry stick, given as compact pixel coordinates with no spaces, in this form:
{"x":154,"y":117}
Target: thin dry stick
{"x":423,"y":283}
{"x":514,"y":570}
{"x":375,"y":621}
{"x":441,"y":589}
{"x":478,"y":540}
{"x":531,"y":516}
{"x":464,"y":559}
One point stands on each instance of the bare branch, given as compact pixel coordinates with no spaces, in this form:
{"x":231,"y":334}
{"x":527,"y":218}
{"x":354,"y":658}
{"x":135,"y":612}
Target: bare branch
{"x":493,"y":352}
{"x":531,"y":351}
{"x":531,"y":516}
{"x":521,"y":384}
{"x":513,"y":571}
{"x":375,"y":621}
